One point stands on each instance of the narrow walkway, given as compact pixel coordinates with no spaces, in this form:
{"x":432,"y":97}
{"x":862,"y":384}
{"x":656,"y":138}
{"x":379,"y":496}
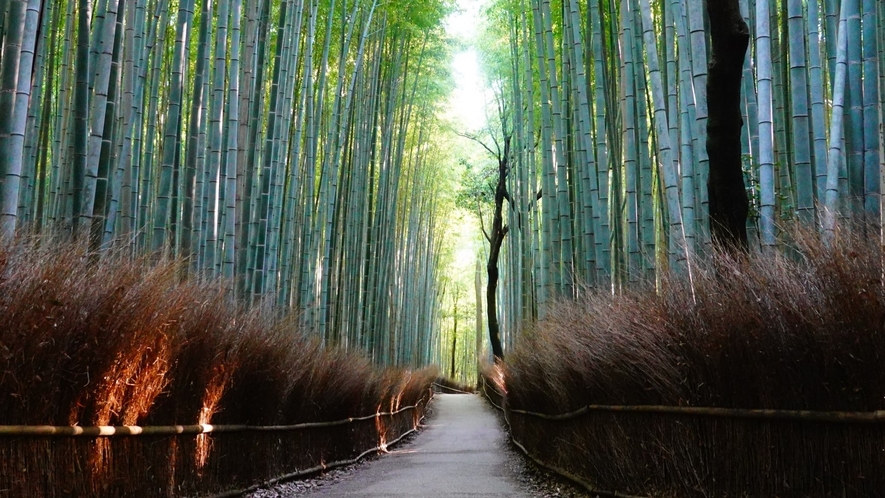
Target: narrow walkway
{"x":461,"y":453}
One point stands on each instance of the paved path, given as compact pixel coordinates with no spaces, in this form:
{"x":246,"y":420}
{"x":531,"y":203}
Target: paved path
{"x":462,"y":453}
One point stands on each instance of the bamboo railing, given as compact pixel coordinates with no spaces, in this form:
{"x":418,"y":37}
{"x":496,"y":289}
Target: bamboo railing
{"x":556,"y":470}
{"x":125,"y":451}
{"x":868,"y":419}
{"x":873,"y":417}
{"x":323,"y":466}
{"x":172,"y":430}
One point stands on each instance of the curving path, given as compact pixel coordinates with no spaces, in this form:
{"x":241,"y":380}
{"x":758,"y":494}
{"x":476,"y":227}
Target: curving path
{"x":462,"y":453}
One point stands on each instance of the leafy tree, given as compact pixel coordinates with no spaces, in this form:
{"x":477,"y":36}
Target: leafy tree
{"x":484,"y":187}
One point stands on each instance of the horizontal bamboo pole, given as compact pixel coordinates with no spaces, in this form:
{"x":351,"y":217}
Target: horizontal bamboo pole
{"x":876,"y":417}
{"x":315,"y":469}
{"x":568,"y":475}
{"x":171,"y":430}
{"x":484,"y":387}
{"x":552,"y":468}
{"x":492,"y":402}
{"x":450,"y":388}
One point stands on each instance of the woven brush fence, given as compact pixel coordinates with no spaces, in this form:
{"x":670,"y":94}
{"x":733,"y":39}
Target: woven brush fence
{"x":687,"y":452}
{"x":761,"y":375}
{"x":125,"y":342}
{"x":42,"y":461}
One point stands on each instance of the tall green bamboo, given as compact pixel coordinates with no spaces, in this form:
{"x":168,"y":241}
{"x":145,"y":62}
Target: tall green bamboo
{"x":15,"y":87}
{"x":699,"y":61}
{"x":290,"y":162}
{"x":766,"y":133}
{"x":854,"y":129}
{"x":801,"y":132}
{"x":871,"y":119}
{"x":602,"y":105}
{"x":631,"y":159}
{"x":80,"y":129}
{"x":232,"y":113}
{"x":110,"y":133}
{"x":195,"y":122}
{"x":689,"y":154}
{"x":678,"y":249}
{"x":837,"y":146}
{"x":550,"y":269}
{"x":818,"y":106}
{"x":171,"y":136}
{"x":591,"y":203}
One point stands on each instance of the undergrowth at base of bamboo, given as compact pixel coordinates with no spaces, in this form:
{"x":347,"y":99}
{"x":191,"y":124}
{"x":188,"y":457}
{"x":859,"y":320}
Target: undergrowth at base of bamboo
{"x":799,"y":330}
{"x":118,"y":341}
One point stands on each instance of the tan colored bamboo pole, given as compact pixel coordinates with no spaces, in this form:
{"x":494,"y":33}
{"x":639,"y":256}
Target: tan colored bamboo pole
{"x":170,"y":430}
{"x":451,"y":389}
{"x":875,"y":417}
{"x":318,"y":468}
{"x":568,"y":475}
{"x":557,"y":470}
{"x":484,"y":386}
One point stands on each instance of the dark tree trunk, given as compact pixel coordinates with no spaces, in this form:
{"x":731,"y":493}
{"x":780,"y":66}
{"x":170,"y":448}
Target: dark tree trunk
{"x":492,"y":304}
{"x":454,"y":341}
{"x":496,"y":239}
{"x":728,"y":196}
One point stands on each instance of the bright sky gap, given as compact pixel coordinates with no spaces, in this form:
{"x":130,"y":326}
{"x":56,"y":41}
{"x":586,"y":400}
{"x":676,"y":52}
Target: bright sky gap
{"x":469,"y":99}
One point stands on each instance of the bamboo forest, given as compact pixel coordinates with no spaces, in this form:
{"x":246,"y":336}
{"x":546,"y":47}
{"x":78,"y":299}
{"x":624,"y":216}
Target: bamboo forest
{"x":373,"y":196}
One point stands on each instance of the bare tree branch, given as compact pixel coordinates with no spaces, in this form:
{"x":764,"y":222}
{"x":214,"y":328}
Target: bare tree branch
{"x":482,"y":223}
{"x":477,"y":140}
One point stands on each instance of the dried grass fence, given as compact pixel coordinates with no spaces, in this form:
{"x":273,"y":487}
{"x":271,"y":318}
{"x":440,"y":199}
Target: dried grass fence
{"x":695,"y":451}
{"x":762,"y":377}
{"x":101,"y":358}
{"x":194,"y":460}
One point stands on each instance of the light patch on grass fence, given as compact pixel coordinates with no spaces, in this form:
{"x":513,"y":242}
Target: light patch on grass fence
{"x":214,"y":392}
{"x":382,"y":433}
{"x":497,"y":377}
